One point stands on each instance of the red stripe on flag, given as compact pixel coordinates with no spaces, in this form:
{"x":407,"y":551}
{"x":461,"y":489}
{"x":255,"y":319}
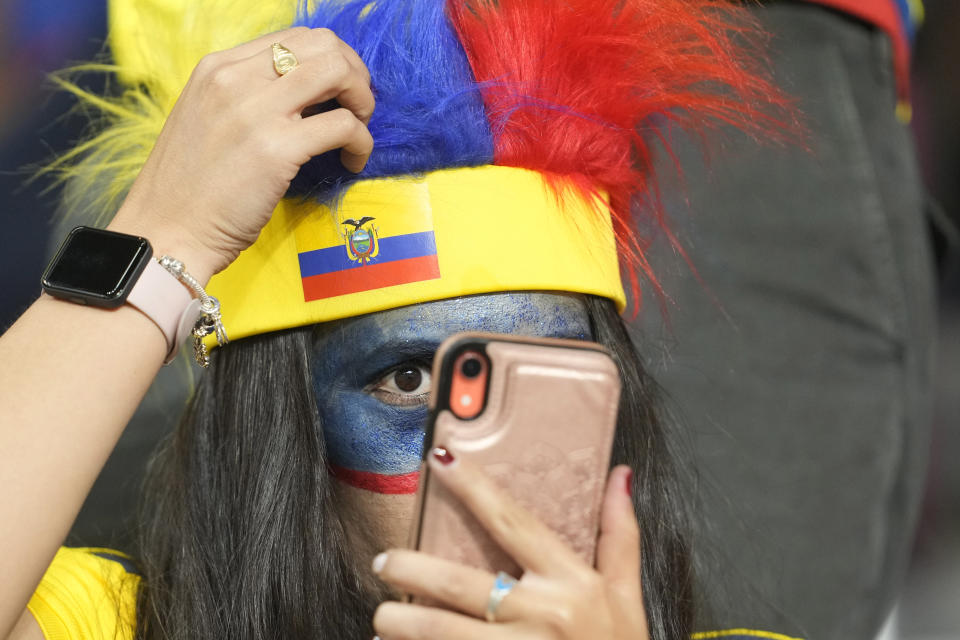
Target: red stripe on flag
{"x":379,"y":482}
{"x":371,"y":276}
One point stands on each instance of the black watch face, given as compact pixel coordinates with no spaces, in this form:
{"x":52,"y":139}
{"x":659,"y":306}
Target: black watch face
{"x":97,"y":267}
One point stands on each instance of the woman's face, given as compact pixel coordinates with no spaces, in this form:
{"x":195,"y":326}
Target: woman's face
{"x":372,"y":381}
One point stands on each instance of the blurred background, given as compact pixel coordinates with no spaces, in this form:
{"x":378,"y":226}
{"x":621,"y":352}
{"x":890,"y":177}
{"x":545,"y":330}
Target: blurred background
{"x":40,"y":36}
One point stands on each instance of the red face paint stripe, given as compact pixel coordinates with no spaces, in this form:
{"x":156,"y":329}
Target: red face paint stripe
{"x":371,"y":276}
{"x":377,"y":482}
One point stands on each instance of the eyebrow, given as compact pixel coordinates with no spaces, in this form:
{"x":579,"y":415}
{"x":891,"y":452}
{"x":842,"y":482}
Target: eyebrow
{"x":406,"y":339}
{"x":377,"y":355}
{"x":391,"y":352}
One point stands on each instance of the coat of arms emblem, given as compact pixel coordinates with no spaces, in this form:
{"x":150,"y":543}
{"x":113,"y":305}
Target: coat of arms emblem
{"x":361,"y":242}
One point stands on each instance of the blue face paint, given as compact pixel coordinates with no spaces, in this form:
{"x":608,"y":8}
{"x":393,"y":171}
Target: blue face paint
{"x":373,"y":427}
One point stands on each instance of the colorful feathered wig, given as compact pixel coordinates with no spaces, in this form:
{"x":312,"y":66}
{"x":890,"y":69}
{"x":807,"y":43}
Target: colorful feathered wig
{"x":513,"y":138}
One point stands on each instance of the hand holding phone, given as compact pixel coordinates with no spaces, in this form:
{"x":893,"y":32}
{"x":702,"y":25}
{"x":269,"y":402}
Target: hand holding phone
{"x":538,"y":417}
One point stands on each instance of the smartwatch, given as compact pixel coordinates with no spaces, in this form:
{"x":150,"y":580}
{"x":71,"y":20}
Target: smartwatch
{"x":108,"y":269}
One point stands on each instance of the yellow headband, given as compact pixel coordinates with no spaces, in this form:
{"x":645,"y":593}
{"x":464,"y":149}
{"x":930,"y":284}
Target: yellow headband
{"x":392,"y":242}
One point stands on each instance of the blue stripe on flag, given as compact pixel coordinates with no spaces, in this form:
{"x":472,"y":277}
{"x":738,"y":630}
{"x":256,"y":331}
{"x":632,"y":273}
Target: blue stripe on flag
{"x":330,"y":259}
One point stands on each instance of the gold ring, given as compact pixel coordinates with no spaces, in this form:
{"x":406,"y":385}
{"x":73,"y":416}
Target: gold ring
{"x":283,"y":59}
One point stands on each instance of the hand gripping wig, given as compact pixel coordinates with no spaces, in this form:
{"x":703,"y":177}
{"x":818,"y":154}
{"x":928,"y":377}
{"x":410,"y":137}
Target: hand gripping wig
{"x":513,"y":151}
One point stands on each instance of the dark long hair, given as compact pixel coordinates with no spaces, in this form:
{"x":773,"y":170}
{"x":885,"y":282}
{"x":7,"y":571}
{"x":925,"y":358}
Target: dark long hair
{"x":240,"y":536}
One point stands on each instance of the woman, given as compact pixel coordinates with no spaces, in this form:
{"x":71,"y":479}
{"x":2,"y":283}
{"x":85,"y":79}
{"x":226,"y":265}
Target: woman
{"x":505,"y":143}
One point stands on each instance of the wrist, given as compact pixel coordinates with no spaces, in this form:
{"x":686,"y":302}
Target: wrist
{"x":110,"y":269}
{"x":169,"y":240}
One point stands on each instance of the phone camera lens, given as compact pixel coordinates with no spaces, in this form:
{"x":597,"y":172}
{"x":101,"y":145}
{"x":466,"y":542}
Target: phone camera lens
{"x":471,"y":367}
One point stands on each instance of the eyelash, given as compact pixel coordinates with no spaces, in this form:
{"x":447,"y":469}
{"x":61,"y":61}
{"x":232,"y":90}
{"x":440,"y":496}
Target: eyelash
{"x":399,"y":399}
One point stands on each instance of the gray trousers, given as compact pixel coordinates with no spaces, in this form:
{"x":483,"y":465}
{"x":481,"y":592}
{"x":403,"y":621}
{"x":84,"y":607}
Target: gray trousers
{"x":799,"y":370}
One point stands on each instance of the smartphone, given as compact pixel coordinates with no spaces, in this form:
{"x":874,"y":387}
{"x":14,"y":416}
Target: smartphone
{"x":538,"y":415}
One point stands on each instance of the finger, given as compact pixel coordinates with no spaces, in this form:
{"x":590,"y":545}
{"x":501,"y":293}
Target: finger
{"x":322,"y":39}
{"x":337,"y":129}
{"x":466,"y":589}
{"x":618,"y":547}
{"x":257,"y":45}
{"x":235,"y":59}
{"x":323,"y":78}
{"x":398,"y":621}
{"x":355,"y":60}
{"x":533,"y":545}
{"x":305,"y":45}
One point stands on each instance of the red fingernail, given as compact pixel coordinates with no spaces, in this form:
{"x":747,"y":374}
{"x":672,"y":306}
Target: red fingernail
{"x":628,"y":483}
{"x":442,"y":455}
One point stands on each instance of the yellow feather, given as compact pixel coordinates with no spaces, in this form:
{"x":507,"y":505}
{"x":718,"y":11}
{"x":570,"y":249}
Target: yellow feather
{"x":155,"y":44}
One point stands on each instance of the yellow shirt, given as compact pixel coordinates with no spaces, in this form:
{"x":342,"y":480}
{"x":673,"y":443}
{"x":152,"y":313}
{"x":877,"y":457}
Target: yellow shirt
{"x":87,"y":594}
{"x":91,"y":594}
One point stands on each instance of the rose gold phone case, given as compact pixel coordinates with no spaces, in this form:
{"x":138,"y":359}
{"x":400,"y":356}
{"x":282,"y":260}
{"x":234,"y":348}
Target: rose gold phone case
{"x":545,"y":437}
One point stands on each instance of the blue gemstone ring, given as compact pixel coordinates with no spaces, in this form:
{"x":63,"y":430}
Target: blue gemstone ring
{"x":502,"y":585}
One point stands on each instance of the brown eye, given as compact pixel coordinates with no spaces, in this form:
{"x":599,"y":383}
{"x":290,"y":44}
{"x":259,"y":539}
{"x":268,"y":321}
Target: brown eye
{"x":408,"y":385}
{"x":408,"y":379}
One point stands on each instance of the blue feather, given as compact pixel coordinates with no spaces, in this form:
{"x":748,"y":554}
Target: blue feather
{"x":429,"y":113}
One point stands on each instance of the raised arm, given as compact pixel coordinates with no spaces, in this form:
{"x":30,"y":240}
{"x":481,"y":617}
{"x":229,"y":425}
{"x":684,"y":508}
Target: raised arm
{"x":71,"y":376}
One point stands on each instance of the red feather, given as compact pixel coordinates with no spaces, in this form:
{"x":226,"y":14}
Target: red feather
{"x":575,"y":88}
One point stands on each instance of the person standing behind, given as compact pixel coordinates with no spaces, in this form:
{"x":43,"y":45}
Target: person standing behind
{"x":800,"y":350}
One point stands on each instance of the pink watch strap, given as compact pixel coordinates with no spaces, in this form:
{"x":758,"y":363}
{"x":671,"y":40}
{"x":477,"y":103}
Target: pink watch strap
{"x":160,"y":296}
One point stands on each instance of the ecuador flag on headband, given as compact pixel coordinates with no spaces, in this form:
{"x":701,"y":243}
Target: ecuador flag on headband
{"x":344,"y":253}
{"x":397,"y":241}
